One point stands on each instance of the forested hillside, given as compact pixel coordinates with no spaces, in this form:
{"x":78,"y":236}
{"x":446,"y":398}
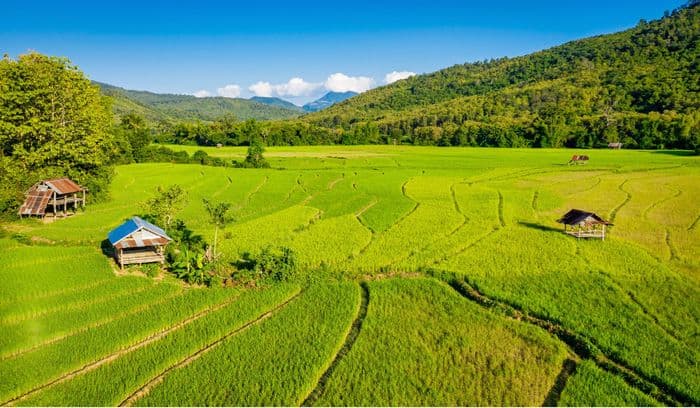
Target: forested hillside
{"x":176,"y":108}
{"x":638,"y":86}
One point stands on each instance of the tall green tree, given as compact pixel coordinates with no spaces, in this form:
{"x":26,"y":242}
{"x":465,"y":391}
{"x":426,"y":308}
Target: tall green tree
{"x":255,"y":158}
{"x":53,"y":122}
{"x":219,"y":217}
{"x":167,"y":202}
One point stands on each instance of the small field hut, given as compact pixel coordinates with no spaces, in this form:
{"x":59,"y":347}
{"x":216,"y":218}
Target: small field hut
{"x":57,"y":195}
{"x":137,"y":241}
{"x":584,"y":224}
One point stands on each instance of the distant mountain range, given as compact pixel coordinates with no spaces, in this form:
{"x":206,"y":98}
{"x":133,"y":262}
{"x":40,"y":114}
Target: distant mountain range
{"x":156,"y":107}
{"x":281,"y":103}
{"x":329,"y":99}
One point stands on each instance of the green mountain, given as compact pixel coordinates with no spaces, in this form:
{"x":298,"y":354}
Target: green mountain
{"x":272,"y":101}
{"x":176,"y":108}
{"x":639,"y":86}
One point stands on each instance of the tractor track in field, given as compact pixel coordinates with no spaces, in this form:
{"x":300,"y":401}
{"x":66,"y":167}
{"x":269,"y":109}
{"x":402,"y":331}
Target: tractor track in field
{"x":457,"y":208}
{"x":146,"y":388}
{"x":535,"y":197}
{"x":350,"y":339}
{"x":87,"y":327}
{"x":627,"y":199}
{"x":632,"y":298}
{"x":581,"y":346}
{"x":655,"y":204}
{"x":501,"y":218}
{"x":467,"y":247}
{"x":673,"y":253}
{"x":358,"y":215}
{"x":111,"y":357}
{"x":591,"y":188}
{"x":226,"y":186}
{"x":567,"y":370}
{"x":332,"y":183}
{"x":251,"y":193}
{"x":694,"y":224}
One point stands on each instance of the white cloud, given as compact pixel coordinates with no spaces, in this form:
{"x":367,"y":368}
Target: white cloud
{"x":261,"y":88}
{"x":394,"y":76}
{"x":293,"y":88}
{"x":229,"y":91}
{"x":297,"y":87}
{"x":340,"y":82}
{"x":202,"y":93}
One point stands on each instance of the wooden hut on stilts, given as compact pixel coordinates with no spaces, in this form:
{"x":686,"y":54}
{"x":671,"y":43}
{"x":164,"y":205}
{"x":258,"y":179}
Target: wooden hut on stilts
{"x":584,"y":224}
{"x":57,"y":195}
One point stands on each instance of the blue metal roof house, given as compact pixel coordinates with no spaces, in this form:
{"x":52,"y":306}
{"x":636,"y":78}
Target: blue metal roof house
{"x":137,"y":241}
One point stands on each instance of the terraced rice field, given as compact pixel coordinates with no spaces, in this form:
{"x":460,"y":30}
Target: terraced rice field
{"x":430,"y":277}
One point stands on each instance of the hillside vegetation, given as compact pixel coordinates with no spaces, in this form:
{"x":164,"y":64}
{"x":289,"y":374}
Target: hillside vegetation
{"x":638,"y":86}
{"x":171,"y":108}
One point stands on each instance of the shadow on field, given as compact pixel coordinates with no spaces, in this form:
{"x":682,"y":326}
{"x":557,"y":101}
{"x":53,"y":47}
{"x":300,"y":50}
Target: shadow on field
{"x":107,"y":248}
{"x":674,"y":152}
{"x":538,"y":226}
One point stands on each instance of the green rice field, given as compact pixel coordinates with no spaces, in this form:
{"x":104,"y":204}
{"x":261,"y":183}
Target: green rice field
{"x":431,"y":276}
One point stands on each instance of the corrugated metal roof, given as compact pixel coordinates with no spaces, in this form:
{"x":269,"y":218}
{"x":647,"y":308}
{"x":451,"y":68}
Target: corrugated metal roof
{"x":575,"y":217}
{"x":63,"y":185}
{"x":138,"y":243}
{"x":131,"y":226}
{"x":35,"y":203}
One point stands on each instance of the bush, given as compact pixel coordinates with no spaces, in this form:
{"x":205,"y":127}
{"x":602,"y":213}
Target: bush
{"x":274,"y":263}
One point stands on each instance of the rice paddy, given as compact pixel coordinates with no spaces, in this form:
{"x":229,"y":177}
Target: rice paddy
{"x":381,"y":233}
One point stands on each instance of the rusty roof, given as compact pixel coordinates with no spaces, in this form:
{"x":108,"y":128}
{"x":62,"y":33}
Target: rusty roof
{"x":134,"y":243}
{"x":63,"y":185}
{"x":36,"y":201}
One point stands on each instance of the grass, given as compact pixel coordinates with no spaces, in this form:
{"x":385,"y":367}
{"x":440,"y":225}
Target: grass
{"x":365,"y":212}
{"x":112,"y":382}
{"x":276,"y":362}
{"x":591,"y":386}
{"x":441,"y":350}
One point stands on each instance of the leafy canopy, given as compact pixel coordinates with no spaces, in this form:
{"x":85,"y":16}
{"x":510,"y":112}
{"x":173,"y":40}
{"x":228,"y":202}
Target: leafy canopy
{"x":53,"y":123}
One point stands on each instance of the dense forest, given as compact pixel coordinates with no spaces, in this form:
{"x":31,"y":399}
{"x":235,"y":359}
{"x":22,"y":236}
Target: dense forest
{"x":639,"y":86}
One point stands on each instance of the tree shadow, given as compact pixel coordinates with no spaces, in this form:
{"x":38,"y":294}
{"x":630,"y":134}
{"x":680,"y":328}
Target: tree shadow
{"x":682,"y":153}
{"x":538,"y":226}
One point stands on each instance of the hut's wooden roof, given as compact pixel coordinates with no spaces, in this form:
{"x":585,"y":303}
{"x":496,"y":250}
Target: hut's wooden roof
{"x":575,"y":217}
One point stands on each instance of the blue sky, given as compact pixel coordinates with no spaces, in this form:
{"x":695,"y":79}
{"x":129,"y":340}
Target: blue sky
{"x":296,"y":50}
